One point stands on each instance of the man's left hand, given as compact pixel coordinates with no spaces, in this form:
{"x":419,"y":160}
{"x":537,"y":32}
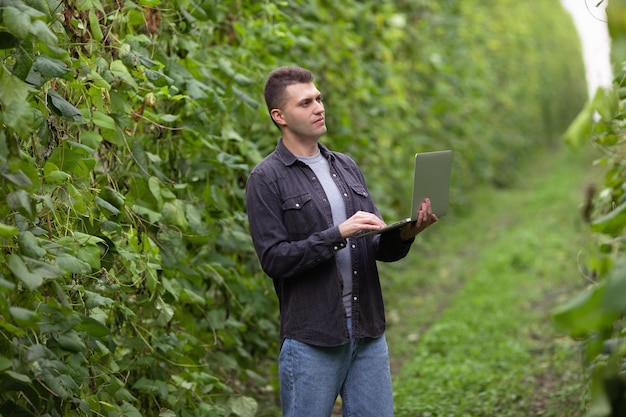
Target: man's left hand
{"x":425,"y":217}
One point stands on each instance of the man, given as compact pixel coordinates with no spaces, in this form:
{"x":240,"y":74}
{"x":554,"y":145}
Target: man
{"x":305,"y":204}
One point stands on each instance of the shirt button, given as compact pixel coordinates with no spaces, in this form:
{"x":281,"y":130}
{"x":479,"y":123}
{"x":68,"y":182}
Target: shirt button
{"x":297,"y":205}
{"x":355,"y":298}
{"x":345,"y":195}
{"x":353,"y":246}
{"x":355,"y":272}
{"x":335,"y":248}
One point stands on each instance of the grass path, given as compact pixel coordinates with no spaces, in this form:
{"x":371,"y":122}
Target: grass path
{"x":469,"y":309}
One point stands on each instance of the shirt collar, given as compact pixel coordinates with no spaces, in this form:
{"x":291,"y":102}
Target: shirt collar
{"x":289,"y":158}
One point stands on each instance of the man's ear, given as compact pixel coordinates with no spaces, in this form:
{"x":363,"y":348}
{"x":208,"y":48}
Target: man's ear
{"x":277,"y":116}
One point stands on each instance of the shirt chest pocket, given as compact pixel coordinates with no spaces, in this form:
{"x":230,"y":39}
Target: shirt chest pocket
{"x":361,"y":200}
{"x":300,"y":216}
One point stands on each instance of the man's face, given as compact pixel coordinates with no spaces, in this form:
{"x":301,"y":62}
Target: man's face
{"x":302,"y":115}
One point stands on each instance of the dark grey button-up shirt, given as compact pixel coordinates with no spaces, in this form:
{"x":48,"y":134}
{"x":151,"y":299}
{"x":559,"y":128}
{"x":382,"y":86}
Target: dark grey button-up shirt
{"x":296,"y":241}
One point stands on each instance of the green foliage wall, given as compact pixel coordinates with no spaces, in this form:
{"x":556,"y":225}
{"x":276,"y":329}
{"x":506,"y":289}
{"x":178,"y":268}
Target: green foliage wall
{"x":595,"y":316}
{"x":127,"y":278}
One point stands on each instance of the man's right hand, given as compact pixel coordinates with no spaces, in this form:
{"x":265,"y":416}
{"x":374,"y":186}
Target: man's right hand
{"x":361,"y":220}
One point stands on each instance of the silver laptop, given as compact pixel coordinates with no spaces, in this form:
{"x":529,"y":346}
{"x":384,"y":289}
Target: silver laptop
{"x":431,"y":179}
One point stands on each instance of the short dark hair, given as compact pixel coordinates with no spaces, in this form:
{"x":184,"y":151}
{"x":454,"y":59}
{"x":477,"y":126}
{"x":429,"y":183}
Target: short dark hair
{"x":281,"y":78}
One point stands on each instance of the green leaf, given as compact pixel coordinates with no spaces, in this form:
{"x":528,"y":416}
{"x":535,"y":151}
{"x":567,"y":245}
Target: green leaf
{"x":63,"y":108}
{"x":606,"y":102}
{"x":7,"y":231}
{"x":243,"y":80}
{"x":50,"y":67}
{"x":129,"y":411}
{"x":188,"y":296}
{"x":174,"y":213}
{"x":151,"y":386}
{"x":158,"y":78}
{"x":43,"y":268}
{"x":94,"y":300}
{"x":243,"y":406}
{"x":19,"y":117}
{"x":103,"y":120}
{"x":93,"y":327}
{"x":114,"y":197}
{"x":155,"y":189}
{"x":33,"y":173}
{"x":19,"y":377}
{"x":246,"y":98}
{"x":90,"y":138}
{"x":40,"y":6}
{"x":144,"y":211}
{"x":94,"y":23}
{"x":23,"y":317}
{"x":225,"y":66}
{"x":17,"y":21}
{"x":17,"y":112}
{"x":86,"y":239}
{"x":29,"y":246}
{"x":18,"y":178}
{"x":57,"y":177}
{"x":166,"y":312}
{"x":71,"y":341}
{"x":91,"y":255}
{"x":42,"y":32}
{"x":584,"y":314}
{"x":600,"y":404}
{"x":123,"y":394}
{"x":89,"y":5}
{"x":120,"y":71}
{"x":32,"y":276}
{"x":579,"y":130}
{"x":21,"y":201}
{"x":107,"y":206}
{"x":5,"y":363}
{"x":12,"y":89}
{"x":11,"y":328}
{"x":172,"y":286}
{"x":612,"y":223}
{"x":614,"y":299}
{"x":167,"y":118}
{"x":74,"y":159}
{"x":31,"y":280}
{"x":7,"y":284}
{"x":72,"y":264}
{"x":23,"y":60}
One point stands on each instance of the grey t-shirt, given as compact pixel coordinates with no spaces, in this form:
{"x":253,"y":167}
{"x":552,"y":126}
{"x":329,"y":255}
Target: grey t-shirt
{"x":321,"y":168}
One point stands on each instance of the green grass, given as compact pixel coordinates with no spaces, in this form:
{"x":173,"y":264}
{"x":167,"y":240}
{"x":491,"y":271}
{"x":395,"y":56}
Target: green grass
{"x":469,"y":309}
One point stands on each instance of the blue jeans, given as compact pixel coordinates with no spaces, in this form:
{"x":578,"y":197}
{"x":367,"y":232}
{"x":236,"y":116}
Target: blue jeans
{"x":312,"y":377}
